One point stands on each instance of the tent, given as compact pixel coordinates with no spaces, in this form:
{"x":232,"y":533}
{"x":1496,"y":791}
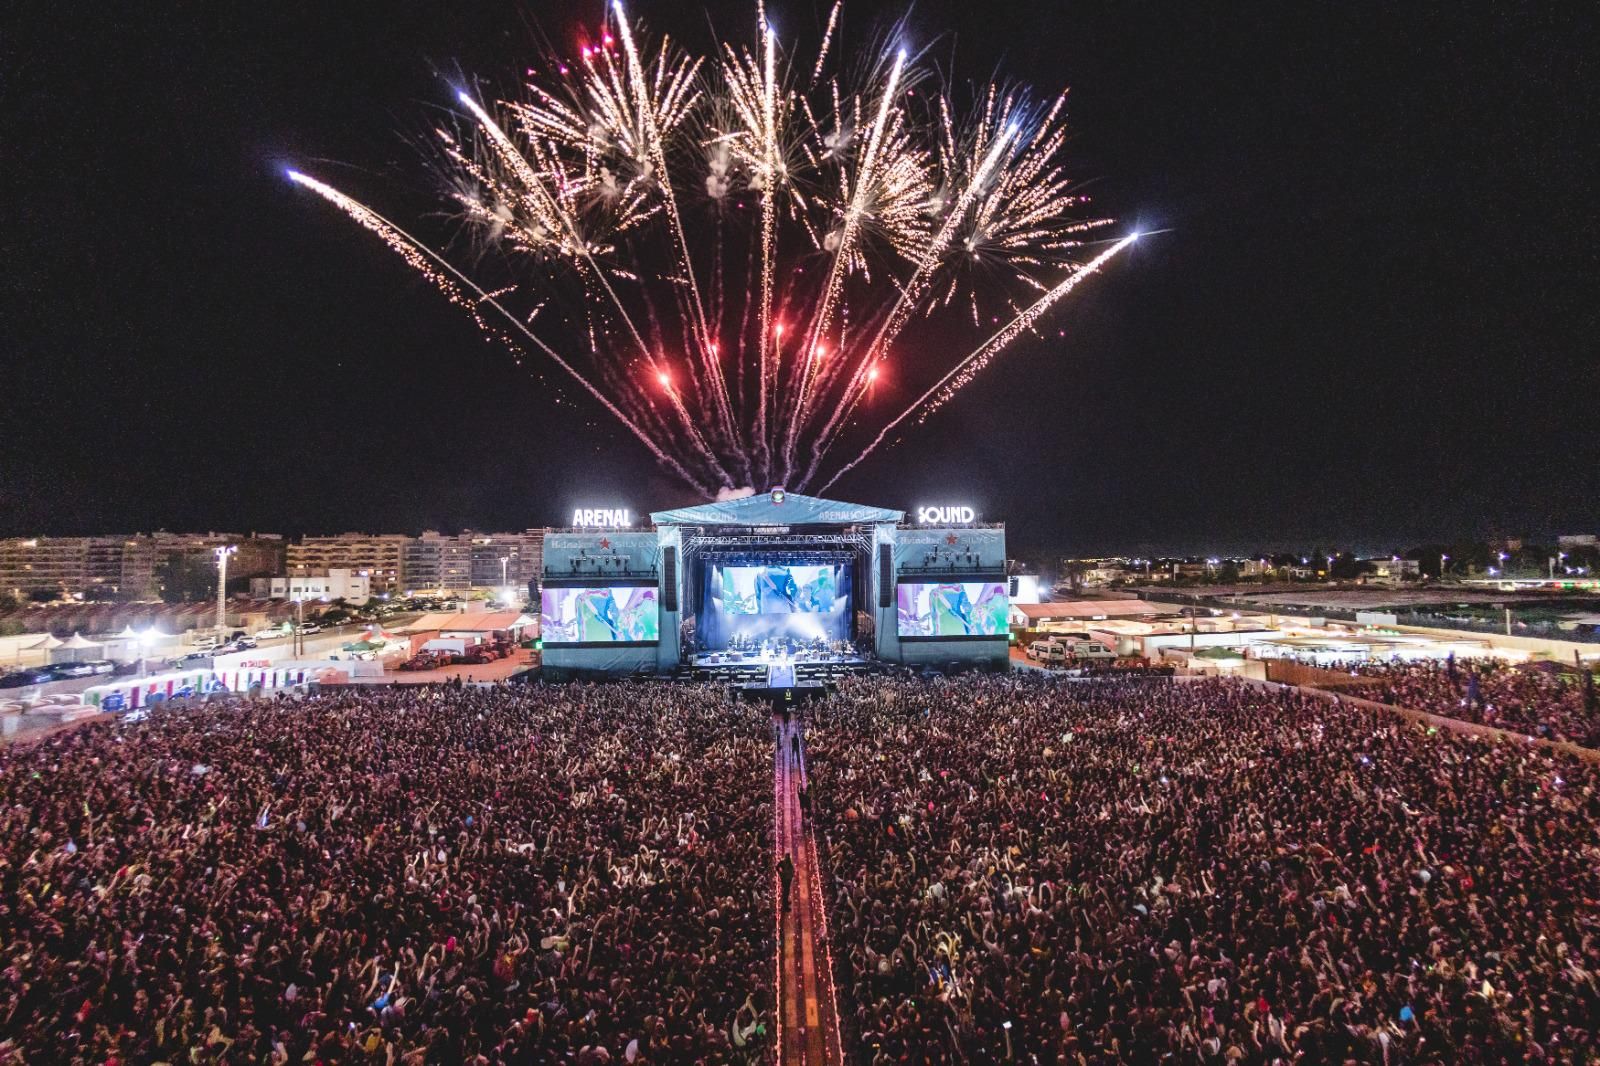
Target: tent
{"x":49,"y":643}
{"x":78,"y":649}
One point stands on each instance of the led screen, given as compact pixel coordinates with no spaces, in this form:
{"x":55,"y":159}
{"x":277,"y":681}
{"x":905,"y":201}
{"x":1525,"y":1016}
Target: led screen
{"x":774,"y":604}
{"x":779,"y":589}
{"x":953,"y":609}
{"x":607,"y":615}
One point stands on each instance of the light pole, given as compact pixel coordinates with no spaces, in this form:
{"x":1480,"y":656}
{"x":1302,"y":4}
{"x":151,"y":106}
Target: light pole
{"x":1443,"y":559}
{"x":147,"y":638}
{"x":222,"y":552}
{"x":300,"y":620}
{"x":504,"y":584}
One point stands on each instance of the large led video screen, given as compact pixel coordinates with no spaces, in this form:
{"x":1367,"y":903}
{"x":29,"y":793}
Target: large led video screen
{"x":953,"y":609}
{"x":599,"y":615}
{"x":774,"y":602}
{"x":779,"y":589}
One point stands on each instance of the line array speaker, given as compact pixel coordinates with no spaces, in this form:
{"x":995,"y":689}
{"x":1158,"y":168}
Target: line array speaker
{"x":669,"y":578}
{"x":886,"y":575}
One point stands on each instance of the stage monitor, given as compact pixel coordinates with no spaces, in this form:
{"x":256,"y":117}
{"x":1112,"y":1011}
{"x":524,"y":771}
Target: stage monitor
{"x":776,"y":600}
{"x":599,"y":615}
{"x":953,"y":610}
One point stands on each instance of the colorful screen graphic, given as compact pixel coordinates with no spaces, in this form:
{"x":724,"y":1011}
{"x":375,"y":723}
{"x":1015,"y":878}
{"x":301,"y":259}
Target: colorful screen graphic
{"x":598,"y":615}
{"x":953,"y":609}
{"x":779,"y":589}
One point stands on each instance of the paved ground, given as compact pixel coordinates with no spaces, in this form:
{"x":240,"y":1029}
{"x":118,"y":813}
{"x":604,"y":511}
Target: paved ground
{"x":808,"y":1015}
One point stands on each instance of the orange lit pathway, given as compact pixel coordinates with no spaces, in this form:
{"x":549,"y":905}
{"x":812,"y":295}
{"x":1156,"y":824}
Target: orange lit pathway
{"x":808,"y":1020}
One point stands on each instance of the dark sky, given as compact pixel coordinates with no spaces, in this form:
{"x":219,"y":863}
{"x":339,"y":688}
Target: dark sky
{"x":1373,"y":320}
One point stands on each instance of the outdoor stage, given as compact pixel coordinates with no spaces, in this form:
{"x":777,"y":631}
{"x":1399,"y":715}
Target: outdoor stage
{"x":777,"y":592}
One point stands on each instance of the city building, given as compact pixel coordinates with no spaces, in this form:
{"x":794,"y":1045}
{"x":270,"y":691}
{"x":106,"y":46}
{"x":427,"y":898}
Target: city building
{"x":435,"y":562}
{"x":69,"y":566}
{"x":338,"y":583}
{"x":382,"y":556}
{"x":1570,"y":541}
{"x":1391,"y":568}
{"x":134,"y":566}
{"x":523,"y":554}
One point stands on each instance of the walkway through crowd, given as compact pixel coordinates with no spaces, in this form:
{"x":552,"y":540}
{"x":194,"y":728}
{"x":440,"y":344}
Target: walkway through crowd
{"x":808,"y":1020}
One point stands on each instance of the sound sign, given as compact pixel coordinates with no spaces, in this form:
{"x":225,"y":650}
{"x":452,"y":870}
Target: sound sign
{"x":951,"y":515}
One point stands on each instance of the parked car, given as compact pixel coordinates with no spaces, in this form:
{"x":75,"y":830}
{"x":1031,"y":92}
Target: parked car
{"x":62,"y":671}
{"x":102,"y":666}
{"x":182,"y":661}
{"x":205,"y":640}
{"x":22,"y":678}
{"x":271,"y":633}
{"x":310,"y":627}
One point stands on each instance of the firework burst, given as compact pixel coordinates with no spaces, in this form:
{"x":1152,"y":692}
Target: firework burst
{"x":740,"y":241}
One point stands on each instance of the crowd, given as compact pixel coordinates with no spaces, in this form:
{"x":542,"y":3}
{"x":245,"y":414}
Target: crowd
{"x":1554,"y":705}
{"x":405,"y":876}
{"x":1127,"y":871}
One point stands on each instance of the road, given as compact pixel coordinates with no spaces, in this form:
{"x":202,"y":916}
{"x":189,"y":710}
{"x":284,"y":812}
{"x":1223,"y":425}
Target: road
{"x":329,"y":639}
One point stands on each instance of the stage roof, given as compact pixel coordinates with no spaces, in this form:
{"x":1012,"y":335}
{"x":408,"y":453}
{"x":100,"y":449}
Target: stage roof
{"x":1087,"y":610}
{"x":764,"y":510}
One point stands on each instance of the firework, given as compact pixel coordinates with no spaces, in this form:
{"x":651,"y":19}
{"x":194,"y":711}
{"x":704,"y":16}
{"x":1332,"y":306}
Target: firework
{"x":731,"y":248}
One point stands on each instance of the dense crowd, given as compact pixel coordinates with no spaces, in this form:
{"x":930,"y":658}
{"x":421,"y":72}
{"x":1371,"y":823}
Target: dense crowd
{"x":1124,"y":871}
{"x":400,"y":876}
{"x":1555,"y":705}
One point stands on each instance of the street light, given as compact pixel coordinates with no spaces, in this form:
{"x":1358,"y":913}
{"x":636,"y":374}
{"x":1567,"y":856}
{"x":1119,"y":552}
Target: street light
{"x":1443,"y":559}
{"x":146,"y":640}
{"x":222,"y":552}
{"x":1559,"y":556}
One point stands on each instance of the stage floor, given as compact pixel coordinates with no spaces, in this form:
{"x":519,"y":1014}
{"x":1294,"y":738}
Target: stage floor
{"x":712,"y":660}
{"x":776,"y":672}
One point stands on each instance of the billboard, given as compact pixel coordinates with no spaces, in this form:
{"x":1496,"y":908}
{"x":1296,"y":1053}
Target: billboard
{"x":599,"y":615}
{"x":953,"y":609}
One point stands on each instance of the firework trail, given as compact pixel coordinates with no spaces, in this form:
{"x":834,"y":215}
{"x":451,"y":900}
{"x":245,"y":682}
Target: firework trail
{"x":855,"y":201}
{"x":946,"y":387}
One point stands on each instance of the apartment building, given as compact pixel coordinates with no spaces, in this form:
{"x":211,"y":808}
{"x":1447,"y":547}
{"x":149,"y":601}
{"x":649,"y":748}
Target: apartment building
{"x":523,"y":554}
{"x":437,"y":562}
{"x":125,"y":567}
{"x":382,"y":556}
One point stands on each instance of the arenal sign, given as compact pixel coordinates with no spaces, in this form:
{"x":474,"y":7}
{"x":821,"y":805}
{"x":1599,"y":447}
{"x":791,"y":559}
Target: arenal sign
{"x":601,"y":518}
{"x":953,"y":514}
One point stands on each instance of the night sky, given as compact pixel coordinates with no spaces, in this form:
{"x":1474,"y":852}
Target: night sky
{"x":1373,"y":320}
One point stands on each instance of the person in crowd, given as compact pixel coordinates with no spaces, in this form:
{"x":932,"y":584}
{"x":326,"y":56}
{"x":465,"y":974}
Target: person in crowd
{"x":1553,"y":704}
{"x":397,"y":876}
{"x":1025,"y":869}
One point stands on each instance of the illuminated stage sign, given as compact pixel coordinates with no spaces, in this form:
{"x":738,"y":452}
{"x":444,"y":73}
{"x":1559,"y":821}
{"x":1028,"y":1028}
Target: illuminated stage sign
{"x":600,"y":518}
{"x":955,"y":515}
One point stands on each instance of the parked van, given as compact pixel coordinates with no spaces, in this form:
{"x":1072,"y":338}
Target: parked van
{"x":1048,"y":651}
